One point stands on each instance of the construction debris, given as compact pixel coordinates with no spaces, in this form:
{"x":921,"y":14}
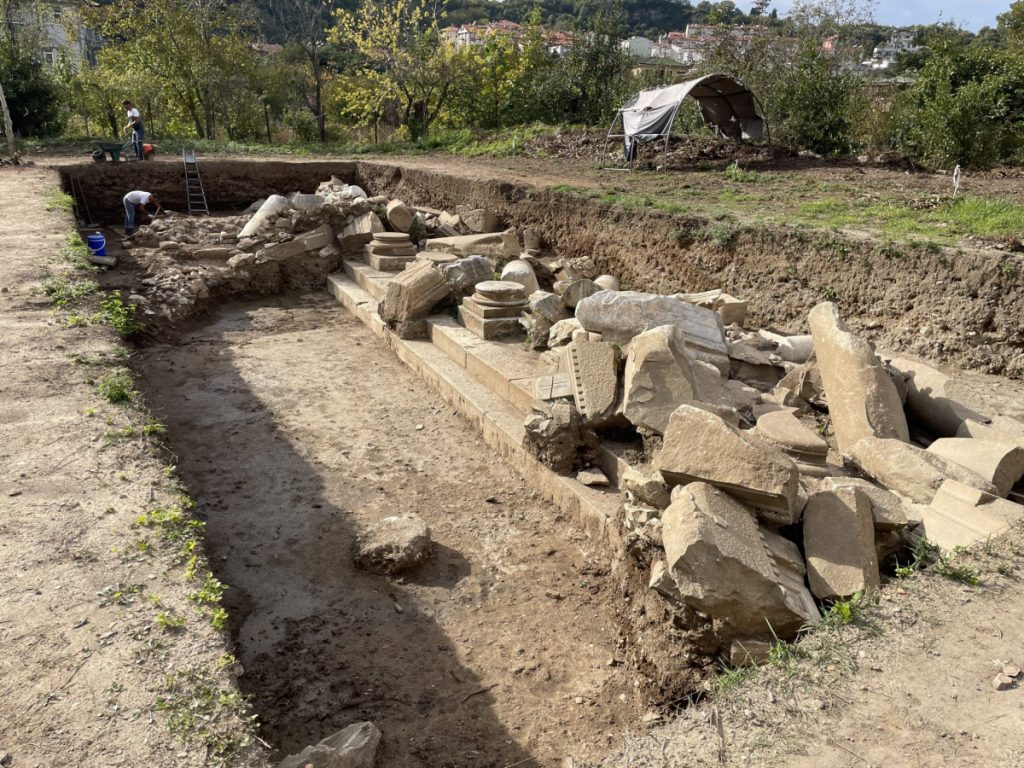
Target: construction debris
{"x":396,"y":544}
{"x":839,"y":542}
{"x":659,"y":378}
{"x":352,"y":747}
{"x":999,"y":462}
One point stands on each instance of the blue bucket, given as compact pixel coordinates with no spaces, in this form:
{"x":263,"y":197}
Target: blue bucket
{"x":97,"y":244}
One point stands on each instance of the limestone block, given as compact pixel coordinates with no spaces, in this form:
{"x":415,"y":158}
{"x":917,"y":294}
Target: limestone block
{"x":620,"y":315}
{"x":887,"y":509}
{"x":862,"y":400}
{"x":519,"y":271}
{"x":733,"y":311}
{"x":577,"y":290}
{"x":647,"y":487}
{"x":1005,"y":432}
{"x":593,"y":366}
{"x":549,"y":306}
{"x":607,"y":282}
{"x":790,"y":570}
{"x":463,"y":274}
{"x":785,"y":430}
{"x":395,"y":544}
{"x":359,"y":232}
{"x":909,"y":470}
{"x":400,"y":216}
{"x":839,"y":540}
{"x":352,"y":747}
{"x":531,"y":240}
{"x":553,"y":435}
{"x":268,"y":212}
{"x":700,"y":446}
{"x":792,"y":349}
{"x":553,"y":387}
{"x":413,"y":293}
{"x":497,"y":245}
{"x":561,"y":333}
{"x":659,"y":378}
{"x":938,"y":403}
{"x":999,"y":462}
{"x":481,"y":221}
{"x":959,"y":516}
{"x":303,"y":202}
{"x":721,"y":565}
{"x":452,"y":220}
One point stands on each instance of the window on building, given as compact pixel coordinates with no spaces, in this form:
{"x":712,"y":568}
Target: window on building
{"x":50,"y":56}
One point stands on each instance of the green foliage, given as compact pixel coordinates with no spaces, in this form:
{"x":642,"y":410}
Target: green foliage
{"x":118,"y":315}
{"x":169,"y":621}
{"x":926,"y":554}
{"x":31,"y":91}
{"x":58,"y":200}
{"x":120,"y":593}
{"x":176,"y":528}
{"x":118,"y":386}
{"x":64,"y":290}
{"x":76,"y":253}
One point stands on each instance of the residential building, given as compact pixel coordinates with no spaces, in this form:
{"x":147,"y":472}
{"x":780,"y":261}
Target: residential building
{"x":885,"y":55}
{"x":63,"y":35}
{"x":637,"y":47}
{"x":475,"y":34}
{"x":559,"y":43}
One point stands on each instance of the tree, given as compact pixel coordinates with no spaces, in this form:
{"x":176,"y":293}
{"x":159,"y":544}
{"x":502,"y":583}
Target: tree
{"x":31,"y":91}
{"x":8,"y":127}
{"x":404,"y":57}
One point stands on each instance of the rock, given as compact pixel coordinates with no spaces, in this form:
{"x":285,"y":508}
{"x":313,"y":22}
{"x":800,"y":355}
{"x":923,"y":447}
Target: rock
{"x":1001,"y":463}
{"x":909,"y":470}
{"x":733,"y":311}
{"x":561,"y":333}
{"x":300,"y":244}
{"x":1002,"y":682}
{"x":577,"y":290}
{"x":791,"y":572}
{"x":519,"y":271}
{"x":592,"y":477}
{"x":620,"y":315}
{"x":607,"y":282}
{"x":792,"y":349}
{"x":886,"y":508}
{"x":480,"y":220}
{"x":268,"y":212}
{"x":462,"y":275}
{"x":700,"y":446}
{"x":800,"y":387}
{"x":959,"y":516}
{"x":593,"y":366}
{"x":553,"y":435}
{"x":749,"y":652}
{"x":397,"y":543}
{"x":352,"y":747}
{"x":721,"y":565}
{"x":839,"y":541}
{"x":1002,"y":433}
{"x":412,"y":294}
{"x":862,"y":399}
{"x":785,"y":430}
{"x":359,"y":232}
{"x":531,"y":239}
{"x":549,"y":306}
{"x":303,"y":202}
{"x":647,"y":487}
{"x":213,"y":253}
{"x":937,"y":402}
{"x":659,"y":378}
{"x":400,"y":216}
{"x":497,"y":245}
{"x":661,"y":582}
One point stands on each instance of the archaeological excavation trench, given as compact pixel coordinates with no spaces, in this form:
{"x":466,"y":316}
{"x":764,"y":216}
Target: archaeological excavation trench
{"x":622,"y":489}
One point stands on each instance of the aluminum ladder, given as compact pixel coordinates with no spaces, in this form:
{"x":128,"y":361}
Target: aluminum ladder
{"x":194,"y":191}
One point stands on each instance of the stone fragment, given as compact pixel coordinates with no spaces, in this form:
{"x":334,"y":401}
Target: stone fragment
{"x":242,"y":260}
{"x":553,"y":435}
{"x":800,"y":387}
{"x":531,"y":239}
{"x":592,"y":476}
{"x":480,"y":220}
{"x":733,"y":311}
{"x":792,"y":349}
{"x":646,"y":487}
{"x":659,"y":378}
{"x":497,"y":245}
{"x":722,"y":567}
{"x":620,"y":315}
{"x":359,"y":232}
{"x":1001,"y":433}
{"x":938,"y":403}
{"x":700,"y":446}
{"x":462,"y":275}
{"x":607,"y":282}
{"x":300,"y":244}
{"x":593,"y":366}
{"x":549,"y":306}
{"x":909,"y":470}
{"x":352,"y":747}
{"x":519,"y":271}
{"x":862,"y":400}
{"x":213,"y":253}
{"x":268,"y":212}
{"x":400,"y":216}
{"x":561,"y":333}
{"x":1002,"y":682}
{"x":661,"y":582}
{"x":412,"y":294}
{"x":785,"y":430}
{"x":887,"y":510}
{"x":999,"y":462}
{"x":395,"y":544}
{"x":959,"y":516}
{"x":577,"y":290}
{"x":303,"y":202}
{"x":839,"y":540}
{"x":553,"y":387}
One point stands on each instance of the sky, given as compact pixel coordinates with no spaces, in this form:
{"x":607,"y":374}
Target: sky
{"x":971,"y":15}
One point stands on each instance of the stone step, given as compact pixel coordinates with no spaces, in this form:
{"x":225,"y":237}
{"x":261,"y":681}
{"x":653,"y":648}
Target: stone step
{"x":371,"y":280}
{"x":493,"y":415}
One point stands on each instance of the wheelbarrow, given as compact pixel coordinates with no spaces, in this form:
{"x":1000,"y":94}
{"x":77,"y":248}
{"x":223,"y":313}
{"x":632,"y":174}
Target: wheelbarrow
{"x":113,"y":148}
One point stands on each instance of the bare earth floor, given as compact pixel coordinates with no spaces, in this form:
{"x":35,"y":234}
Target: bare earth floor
{"x":296,"y":428}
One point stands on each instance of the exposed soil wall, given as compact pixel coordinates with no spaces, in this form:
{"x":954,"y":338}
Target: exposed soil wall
{"x":965,"y":309}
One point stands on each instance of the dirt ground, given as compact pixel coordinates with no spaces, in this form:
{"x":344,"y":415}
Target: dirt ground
{"x":296,"y":429}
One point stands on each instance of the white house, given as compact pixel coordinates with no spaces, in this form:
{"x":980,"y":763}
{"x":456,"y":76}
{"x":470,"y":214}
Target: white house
{"x":637,"y":47}
{"x":885,"y":55}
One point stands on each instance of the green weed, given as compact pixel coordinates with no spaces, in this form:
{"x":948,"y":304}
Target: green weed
{"x":66,"y":290}
{"x":118,"y":386}
{"x":118,"y":315}
{"x":927,"y":554}
{"x":58,"y":200}
{"x":168,"y":621}
{"x":119,"y":594}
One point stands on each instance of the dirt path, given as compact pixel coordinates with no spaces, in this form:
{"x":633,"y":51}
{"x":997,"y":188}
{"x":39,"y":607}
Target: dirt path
{"x":296,"y":428}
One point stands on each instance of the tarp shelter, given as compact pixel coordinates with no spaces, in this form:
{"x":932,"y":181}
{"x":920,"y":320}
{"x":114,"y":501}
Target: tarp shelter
{"x":724,"y":102}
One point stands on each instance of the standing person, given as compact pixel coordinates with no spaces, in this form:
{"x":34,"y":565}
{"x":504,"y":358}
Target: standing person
{"x":138,"y":198}
{"x":135,"y":126}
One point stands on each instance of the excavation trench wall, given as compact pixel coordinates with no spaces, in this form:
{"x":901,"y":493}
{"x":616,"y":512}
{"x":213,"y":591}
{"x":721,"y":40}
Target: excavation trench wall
{"x":961,"y":308}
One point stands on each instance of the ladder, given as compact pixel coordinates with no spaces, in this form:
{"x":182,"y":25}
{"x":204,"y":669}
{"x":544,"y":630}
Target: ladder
{"x":194,"y":192}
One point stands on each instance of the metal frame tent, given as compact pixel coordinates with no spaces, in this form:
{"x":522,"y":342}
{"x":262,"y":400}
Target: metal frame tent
{"x":724,"y":101}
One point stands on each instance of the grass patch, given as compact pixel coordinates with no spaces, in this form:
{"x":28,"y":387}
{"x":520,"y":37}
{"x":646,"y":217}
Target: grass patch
{"x":58,"y":200}
{"x":119,"y":594}
{"x":118,"y":315}
{"x":76,"y":253}
{"x":147,"y":429}
{"x":929,"y":555}
{"x":66,"y":290}
{"x":118,"y":386}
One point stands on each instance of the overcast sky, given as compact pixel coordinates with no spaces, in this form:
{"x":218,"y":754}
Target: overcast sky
{"x":972,"y":15}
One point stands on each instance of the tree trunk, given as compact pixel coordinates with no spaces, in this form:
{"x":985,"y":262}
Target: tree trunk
{"x":8,"y":126}
{"x":318,"y":78}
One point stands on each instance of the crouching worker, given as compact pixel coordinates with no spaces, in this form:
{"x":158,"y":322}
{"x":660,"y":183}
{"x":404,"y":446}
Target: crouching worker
{"x":138,"y":199}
